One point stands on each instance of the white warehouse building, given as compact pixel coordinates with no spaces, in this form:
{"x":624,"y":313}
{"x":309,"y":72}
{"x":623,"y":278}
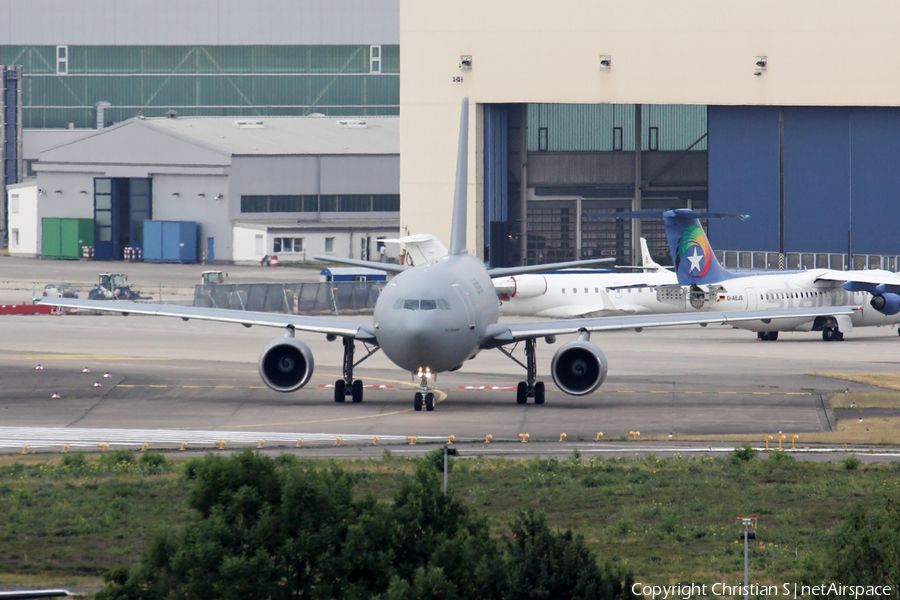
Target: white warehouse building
{"x":288,"y":186}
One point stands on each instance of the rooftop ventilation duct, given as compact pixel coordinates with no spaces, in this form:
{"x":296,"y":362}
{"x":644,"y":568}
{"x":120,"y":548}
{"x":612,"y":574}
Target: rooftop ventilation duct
{"x":100,"y":113}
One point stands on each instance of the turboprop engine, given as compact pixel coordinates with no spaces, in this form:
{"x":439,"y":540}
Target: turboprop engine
{"x":886,"y":303}
{"x":286,"y":364}
{"x":579,"y":367}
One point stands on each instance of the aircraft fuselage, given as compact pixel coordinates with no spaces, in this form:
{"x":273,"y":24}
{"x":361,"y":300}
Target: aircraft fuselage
{"x":434,"y":317}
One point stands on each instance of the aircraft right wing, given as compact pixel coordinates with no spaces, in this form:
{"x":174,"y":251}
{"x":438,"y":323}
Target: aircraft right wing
{"x":507,"y":333}
{"x":359,"y":330}
{"x":369,"y":264}
{"x":30,"y":594}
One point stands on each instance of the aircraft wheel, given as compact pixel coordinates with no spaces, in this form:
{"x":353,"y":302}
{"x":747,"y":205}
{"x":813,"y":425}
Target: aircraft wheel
{"x":773,"y":335}
{"x":828,"y":334}
{"x":539,"y":392}
{"x":417,"y":401}
{"x":838,"y":336}
{"x":429,"y":401}
{"x":522,"y":393}
{"x":356,"y":393}
{"x":760,"y":336}
{"x":339,"y":387}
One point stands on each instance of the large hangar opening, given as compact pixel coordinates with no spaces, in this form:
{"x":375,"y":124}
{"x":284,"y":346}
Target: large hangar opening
{"x":548,"y":167}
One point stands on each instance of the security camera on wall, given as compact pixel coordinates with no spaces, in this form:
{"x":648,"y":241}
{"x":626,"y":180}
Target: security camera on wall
{"x":605,"y":62}
{"x":465,"y":62}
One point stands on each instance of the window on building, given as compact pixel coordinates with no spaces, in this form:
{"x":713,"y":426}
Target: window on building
{"x":15,"y":238}
{"x":13,"y":203}
{"x":328,"y":203}
{"x":375,"y":59}
{"x":653,"y":141}
{"x":329,"y":244}
{"x":288,"y":244}
{"x":617,"y":139}
{"x":62,"y":60}
{"x":259,"y":245}
{"x":543,"y":139}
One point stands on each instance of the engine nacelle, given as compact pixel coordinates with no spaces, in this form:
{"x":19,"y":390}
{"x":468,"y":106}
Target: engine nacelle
{"x":579,"y":368}
{"x":886,"y":303}
{"x":521,"y":286}
{"x":286,"y":364}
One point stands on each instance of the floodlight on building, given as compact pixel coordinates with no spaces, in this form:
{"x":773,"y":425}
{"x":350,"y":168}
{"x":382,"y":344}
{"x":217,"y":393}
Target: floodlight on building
{"x":220,"y":196}
{"x":465,"y":62}
{"x":605,"y":62}
{"x":761,"y":63}
{"x":176,"y":194}
{"x":202,"y":195}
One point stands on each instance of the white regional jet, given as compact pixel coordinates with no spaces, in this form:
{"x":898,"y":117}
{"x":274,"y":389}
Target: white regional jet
{"x":586,"y":293}
{"x":711,"y":288}
{"x":432,"y":319}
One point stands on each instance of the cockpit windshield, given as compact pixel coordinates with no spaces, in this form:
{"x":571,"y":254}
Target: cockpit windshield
{"x":427,"y":304}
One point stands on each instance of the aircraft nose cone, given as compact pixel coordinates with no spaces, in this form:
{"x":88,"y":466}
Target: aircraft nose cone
{"x":414,"y":344}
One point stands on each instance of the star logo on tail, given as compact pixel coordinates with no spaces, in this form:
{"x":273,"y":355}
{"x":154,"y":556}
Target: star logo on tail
{"x":695,"y":260}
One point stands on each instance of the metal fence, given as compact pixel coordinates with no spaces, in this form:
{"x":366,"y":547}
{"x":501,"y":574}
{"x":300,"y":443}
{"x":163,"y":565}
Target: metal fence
{"x":291,"y":297}
{"x":794,"y":261}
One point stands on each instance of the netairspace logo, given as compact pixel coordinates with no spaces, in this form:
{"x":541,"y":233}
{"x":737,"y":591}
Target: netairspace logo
{"x":686,"y":591}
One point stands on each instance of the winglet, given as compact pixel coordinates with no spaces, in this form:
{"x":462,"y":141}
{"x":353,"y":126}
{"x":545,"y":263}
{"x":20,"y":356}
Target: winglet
{"x":458,"y":226}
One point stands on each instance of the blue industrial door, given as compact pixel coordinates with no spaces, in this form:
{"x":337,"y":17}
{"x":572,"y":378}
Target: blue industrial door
{"x":210,"y":250}
{"x":121,"y":205}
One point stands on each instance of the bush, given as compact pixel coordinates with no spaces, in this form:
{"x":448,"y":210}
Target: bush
{"x":851,"y":463}
{"x":742,"y":454}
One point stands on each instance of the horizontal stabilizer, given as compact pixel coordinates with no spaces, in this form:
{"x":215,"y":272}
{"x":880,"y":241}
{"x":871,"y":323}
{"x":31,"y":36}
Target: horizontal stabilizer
{"x":369,"y":264}
{"x":678,"y":213}
{"x":509,"y":271}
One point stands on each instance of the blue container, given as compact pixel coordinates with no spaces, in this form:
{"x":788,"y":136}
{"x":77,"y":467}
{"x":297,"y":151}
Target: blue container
{"x":170,"y":241}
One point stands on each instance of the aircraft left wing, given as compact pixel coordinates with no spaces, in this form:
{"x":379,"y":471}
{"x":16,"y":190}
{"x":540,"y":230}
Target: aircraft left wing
{"x":30,"y":594}
{"x":359,"y":330}
{"x":499,"y":334}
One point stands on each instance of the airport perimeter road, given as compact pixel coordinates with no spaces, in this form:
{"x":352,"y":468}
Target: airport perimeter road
{"x":168,"y":375}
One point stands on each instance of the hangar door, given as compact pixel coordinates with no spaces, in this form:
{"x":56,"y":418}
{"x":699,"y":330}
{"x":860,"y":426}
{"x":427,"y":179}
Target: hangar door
{"x":121,"y":205}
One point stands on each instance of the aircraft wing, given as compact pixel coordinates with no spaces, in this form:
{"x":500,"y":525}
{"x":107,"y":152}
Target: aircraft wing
{"x":359,"y":330}
{"x":369,"y":264}
{"x":505,"y":333}
{"x":870,"y":276}
{"x":28,"y":594}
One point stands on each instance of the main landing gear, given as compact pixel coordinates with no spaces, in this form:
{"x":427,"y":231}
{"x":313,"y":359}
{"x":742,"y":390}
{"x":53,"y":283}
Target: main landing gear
{"x":767,"y":336}
{"x":832,"y":334}
{"x":349,"y":386}
{"x":424,"y":397}
{"x":530,"y":388}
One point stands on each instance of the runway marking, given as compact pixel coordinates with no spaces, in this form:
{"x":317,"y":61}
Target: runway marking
{"x":441,"y":397}
{"x":365,"y":387}
{"x":486,"y":387}
{"x":77,"y":357}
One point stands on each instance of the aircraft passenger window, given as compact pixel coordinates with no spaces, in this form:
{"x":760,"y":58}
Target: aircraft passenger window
{"x":429,"y":305}
{"x":411,"y":304}
{"x":596,"y":290}
{"x":443,"y":304}
{"x":585,"y":290}
{"x":398,"y":304}
{"x":574,"y":290}
{"x":564,"y":290}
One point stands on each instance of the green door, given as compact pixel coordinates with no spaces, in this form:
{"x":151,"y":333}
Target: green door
{"x":68,"y":234}
{"x":50,"y":237}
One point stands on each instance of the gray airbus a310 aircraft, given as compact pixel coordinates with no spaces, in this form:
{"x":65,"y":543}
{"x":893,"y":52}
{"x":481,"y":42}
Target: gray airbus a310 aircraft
{"x":433,"y":318}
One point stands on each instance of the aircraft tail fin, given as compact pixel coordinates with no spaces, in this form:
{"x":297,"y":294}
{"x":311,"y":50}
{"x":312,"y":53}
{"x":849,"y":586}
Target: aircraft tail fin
{"x":695,"y":262}
{"x":647,"y":259}
{"x":458,"y":226}
{"x":694,"y":259}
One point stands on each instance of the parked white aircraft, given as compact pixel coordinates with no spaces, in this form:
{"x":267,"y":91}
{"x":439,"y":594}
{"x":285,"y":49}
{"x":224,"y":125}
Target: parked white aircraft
{"x":709,"y":287}
{"x":590,"y":293}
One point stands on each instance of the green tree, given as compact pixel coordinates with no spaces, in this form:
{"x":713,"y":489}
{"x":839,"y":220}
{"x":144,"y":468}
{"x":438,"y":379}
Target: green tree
{"x":545,"y":565}
{"x":865,"y":549}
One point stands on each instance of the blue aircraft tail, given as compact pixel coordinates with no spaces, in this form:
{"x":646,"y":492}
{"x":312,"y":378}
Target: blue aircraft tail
{"x":695,"y":262}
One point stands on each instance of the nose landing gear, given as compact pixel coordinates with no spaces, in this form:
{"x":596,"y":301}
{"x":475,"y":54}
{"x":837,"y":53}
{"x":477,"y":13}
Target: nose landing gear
{"x":424,"y":396}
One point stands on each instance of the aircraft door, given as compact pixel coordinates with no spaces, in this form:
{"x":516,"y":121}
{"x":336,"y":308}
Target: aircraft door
{"x":751,"y":298}
{"x":467,"y":303}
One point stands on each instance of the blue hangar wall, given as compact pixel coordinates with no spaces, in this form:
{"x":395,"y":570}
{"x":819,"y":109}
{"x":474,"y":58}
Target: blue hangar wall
{"x":841,"y":174}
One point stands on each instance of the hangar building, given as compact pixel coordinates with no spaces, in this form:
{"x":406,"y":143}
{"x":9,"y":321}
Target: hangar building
{"x":788,"y":112}
{"x":290,"y":186}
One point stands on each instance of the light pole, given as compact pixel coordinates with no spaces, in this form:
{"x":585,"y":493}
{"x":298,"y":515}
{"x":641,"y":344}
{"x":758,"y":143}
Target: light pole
{"x":447,"y":451}
{"x":747,"y":522}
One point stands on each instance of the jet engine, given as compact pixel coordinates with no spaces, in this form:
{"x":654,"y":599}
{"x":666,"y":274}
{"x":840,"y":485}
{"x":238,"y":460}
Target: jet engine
{"x":286,"y":364}
{"x":886,"y":303}
{"x":579,"y":367}
{"x":520,"y":286}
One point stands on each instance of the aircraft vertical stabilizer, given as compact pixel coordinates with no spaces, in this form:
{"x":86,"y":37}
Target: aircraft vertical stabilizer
{"x":695,"y":262}
{"x":458,"y":226}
